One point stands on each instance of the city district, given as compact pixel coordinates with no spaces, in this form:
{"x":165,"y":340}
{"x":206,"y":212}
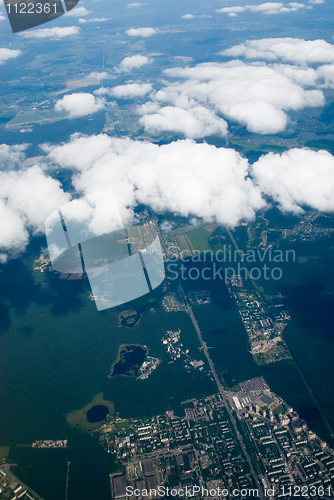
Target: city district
{"x":200,"y":455}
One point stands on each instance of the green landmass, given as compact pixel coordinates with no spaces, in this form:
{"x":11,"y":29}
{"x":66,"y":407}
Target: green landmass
{"x":78,"y":418}
{"x":130,"y":318}
{"x":4,"y":450}
{"x":132,"y":369}
{"x":193,"y":238}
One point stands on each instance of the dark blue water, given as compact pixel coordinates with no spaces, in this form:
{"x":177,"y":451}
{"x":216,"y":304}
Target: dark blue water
{"x":97,"y":413}
{"x":132,"y":357}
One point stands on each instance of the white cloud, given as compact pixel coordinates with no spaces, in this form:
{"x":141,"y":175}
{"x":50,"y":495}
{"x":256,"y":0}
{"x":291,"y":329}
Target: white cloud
{"x":135,"y":5}
{"x":13,"y":233}
{"x":27,"y":197}
{"x":97,"y":76}
{"x":316,"y":1}
{"x":231,"y":10}
{"x":79,"y":104}
{"x":184,"y":58}
{"x":183,"y":177}
{"x":51,"y":32}
{"x":325,"y":75}
{"x":142,"y":32}
{"x":94,"y":20}
{"x":6,"y":54}
{"x":76,"y":152}
{"x":254,"y":95}
{"x":102,"y":91}
{"x":78,"y":12}
{"x":133,"y":62}
{"x":321,"y":77}
{"x":193,"y":123}
{"x":297,"y":177}
{"x":10,"y":156}
{"x":264,"y":8}
{"x":166,"y":226}
{"x":131,"y":90}
{"x":287,"y":49}
{"x":3,"y":258}
{"x":302,"y":75}
{"x":148,"y":108}
{"x":199,"y":16}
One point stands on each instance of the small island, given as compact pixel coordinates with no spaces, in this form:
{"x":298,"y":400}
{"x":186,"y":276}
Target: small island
{"x":130,"y":318}
{"x":90,"y":417}
{"x":132,"y":360}
{"x":129,"y":360}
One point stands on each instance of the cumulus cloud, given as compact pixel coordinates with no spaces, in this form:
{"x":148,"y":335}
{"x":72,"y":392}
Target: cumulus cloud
{"x":301,"y":75}
{"x":171,"y":177}
{"x":10,"y":156}
{"x":27,"y":197}
{"x":97,"y":76}
{"x":270,"y":7}
{"x":6,"y":54}
{"x":297,"y":178}
{"x":78,"y":12}
{"x":316,"y":1}
{"x":128,"y":90}
{"x":142,"y":32}
{"x":192,"y":16}
{"x":183,"y":177}
{"x":94,"y":20}
{"x":191,"y":179}
{"x":135,"y":5}
{"x":264,"y":8}
{"x":325,"y":76}
{"x":53,"y":33}
{"x":79,"y":104}
{"x":286,"y":49}
{"x":133,"y":62}
{"x":321,"y":77}
{"x":254,"y":95}
{"x":184,"y":58}
{"x":13,"y":234}
{"x":131,"y":90}
{"x":231,"y":10}
{"x":193,"y":123}
{"x":3,"y":258}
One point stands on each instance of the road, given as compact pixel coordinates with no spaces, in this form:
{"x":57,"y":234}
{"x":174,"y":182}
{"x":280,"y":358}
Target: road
{"x":216,"y":378}
{"x":222,"y":393}
{"x":240,"y":253}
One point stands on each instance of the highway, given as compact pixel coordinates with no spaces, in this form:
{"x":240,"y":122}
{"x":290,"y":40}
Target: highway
{"x":222,"y":393}
{"x":216,"y":378}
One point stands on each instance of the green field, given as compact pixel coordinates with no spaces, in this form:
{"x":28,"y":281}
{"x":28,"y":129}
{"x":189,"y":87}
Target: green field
{"x":195,"y":238}
{"x":38,"y":117}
